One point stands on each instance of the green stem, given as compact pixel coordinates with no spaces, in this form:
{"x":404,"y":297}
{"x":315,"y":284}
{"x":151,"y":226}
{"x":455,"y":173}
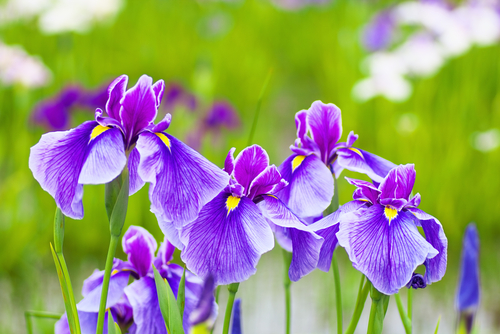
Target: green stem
{"x":410,"y":303}
{"x":113,"y":243}
{"x":338,"y":293}
{"x":377,"y":311}
{"x":404,"y":318}
{"x":71,"y":295}
{"x":287,"y":260}
{"x":360,"y":304}
{"x":38,"y":314}
{"x":232,"y":288}
{"x":257,"y":109}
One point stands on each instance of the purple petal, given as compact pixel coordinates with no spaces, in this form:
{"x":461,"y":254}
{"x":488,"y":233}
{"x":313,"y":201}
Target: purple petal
{"x":140,"y":247}
{"x":221,"y":114}
{"x":306,"y":248}
{"x":229,"y":163}
{"x":205,"y":304}
{"x":61,"y":161}
{"x":379,"y":32}
{"x":266,"y":182}
{"x":282,"y":235}
{"x":386,"y":251}
{"x":468,"y":292}
{"x":360,"y":161}
{"x":399,"y":182}
{"x":301,"y":124}
{"x":378,"y":165}
{"x":310,"y":188}
{"x":117,"y":283}
{"x":252,"y":161}
{"x":368,"y":191}
{"x":328,"y":247}
{"x":226,"y":240}
{"x":88,"y":323}
{"x":182,"y":180}
{"x":158,"y":89}
{"x":135,"y":181}
{"x":279,"y":214}
{"x":165,"y":253}
{"x":434,"y":234}
{"x":163,"y":125}
{"x":171,"y":232}
{"x":138,"y":108}
{"x":351,"y":138}
{"x":143,"y":298}
{"x":325,"y":123}
{"x":414,"y":201}
{"x":236,"y":319}
{"x":116,"y":91}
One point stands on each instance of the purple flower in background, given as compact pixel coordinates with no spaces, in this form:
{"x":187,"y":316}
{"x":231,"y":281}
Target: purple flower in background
{"x":202,"y":318}
{"x":176,"y":95}
{"x":96,"y":152}
{"x":236,"y":327}
{"x":135,"y":306}
{"x":232,"y":232}
{"x":378,"y":34}
{"x":467,"y":300}
{"x":309,"y":169}
{"x":379,"y":232}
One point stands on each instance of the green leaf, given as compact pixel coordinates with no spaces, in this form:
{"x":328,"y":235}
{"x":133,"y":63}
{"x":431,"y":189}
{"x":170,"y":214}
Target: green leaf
{"x":64,"y":290}
{"x":181,"y":294}
{"x":111,"y":323}
{"x":58,"y":231}
{"x":437,"y":326}
{"x":111,"y":191}
{"x":168,"y":305}
{"x":117,"y":218}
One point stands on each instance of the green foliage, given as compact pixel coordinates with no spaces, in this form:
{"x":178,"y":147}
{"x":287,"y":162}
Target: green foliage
{"x":168,"y":305}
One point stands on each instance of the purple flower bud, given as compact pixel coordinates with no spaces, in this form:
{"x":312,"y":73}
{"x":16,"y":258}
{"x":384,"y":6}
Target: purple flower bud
{"x":417,"y":281}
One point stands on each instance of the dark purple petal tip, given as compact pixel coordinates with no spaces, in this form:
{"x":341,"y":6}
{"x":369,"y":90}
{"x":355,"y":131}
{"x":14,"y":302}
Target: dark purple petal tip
{"x":417,"y":281}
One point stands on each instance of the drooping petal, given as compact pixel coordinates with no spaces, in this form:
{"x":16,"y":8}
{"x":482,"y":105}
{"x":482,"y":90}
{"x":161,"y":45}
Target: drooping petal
{"x":328,"y":247}
{"x":360,"y":161}
{"x":279,"y":214}
{"x":135,"y":181}
{"x":138,"y":108}
{"x":143,"y":298}
{"x":399,"y":182}
{"x":140,"y":247}
{"x":252,"y":161}
{"x":116,"y":91}
{"x":182,"y":180}
{"x":386,"y":250}
{"x":282,"y":236}
{"x":117,"y":283}
{"x":61,"y":161}
{"x":226,"y":240}
{"x":434,"y":234}
{"x":468,"y":292}
{"x":306,"y":248}
{"x":170,"y":232}
{"x":310,"y":188}
{"x":325,"y":124}
{"x":266,"y":182}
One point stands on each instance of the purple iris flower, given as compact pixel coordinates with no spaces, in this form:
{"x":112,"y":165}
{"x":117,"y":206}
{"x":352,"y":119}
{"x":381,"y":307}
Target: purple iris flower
{"x":309,"y":169}
{"x":176,"y":95}
{"x":236,"y":327}
{"x":467,"y":300}
{"x":205,"y":312}
{"x":96,"y":152}
{"x":135,"y":306}
{"x":232,"y":231}
{"x":379,"y":33}
{"x":379,"y":232}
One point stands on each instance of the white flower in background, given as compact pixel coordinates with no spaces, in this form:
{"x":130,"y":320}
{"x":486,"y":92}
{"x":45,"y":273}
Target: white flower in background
{"x":19,"y":68}
{"x":440,"y":31}
{"x":486,"y":141}
{"x":58,"y":16}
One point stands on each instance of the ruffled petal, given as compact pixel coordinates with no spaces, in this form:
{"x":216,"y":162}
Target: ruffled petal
{"x":163,"y":125}
{"x":306,"y":248}
{"x":117,"y":283}
{"x":116,"y":91}
{"x":399,"y":182}
{"x":138,"y":108}
{"x":135,"y":181}
{"x":301,"y":124}
{"x":182,"y":180}
{"x":140,"y":247}
{"x":310,"y":188}
{"x":226,"y":240}
{"x":386,"y":251}
{"x":434,"y":234}
{"x":367,"y":190}
{"x":325,"y":124}
{"x":143,"y":298}
{"x":58,"y":159}
{"x":252,"y":161}
{"x":266,"y":182}
{"x":158,"y":89}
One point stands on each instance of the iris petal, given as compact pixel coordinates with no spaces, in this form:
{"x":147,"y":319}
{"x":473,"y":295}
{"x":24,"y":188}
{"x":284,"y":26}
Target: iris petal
{"x":227,"y":245}
{"x":325,"y":124}
{"x":252,"y":161}
{"x":399,"y":182}
{"x":140,"y":247}
{"x":306,"y":248}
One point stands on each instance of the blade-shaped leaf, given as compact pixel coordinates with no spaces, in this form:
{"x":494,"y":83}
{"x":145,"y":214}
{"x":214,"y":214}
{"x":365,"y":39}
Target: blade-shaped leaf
{"x":181,"y":294}
{"x":168,"y":305}
{"x":113,"y":327}
{"x":437,"y":326}
{"x":117,"y":218}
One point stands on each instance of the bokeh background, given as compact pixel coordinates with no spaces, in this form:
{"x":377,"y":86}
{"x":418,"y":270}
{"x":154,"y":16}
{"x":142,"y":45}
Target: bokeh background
{"x":447,"y":124}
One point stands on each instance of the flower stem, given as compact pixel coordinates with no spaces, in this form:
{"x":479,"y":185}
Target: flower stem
{"x":404,"y":318}
{"x":360,"y":304}
{"x":377,"y":311}
{"x":232,"y":288}
{"x":287,"y":259}
{"x":338,"y":294}
{"x":113,"y":243}
{"x":257,"y":109}
{"x":410,"y":303}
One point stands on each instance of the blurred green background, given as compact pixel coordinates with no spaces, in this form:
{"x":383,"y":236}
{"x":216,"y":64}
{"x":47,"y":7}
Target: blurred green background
{"x":226,"y":50}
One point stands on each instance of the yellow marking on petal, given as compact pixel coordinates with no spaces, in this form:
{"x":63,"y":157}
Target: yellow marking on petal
{"x":390,"y":213}
{"x":114,"y":272}
{"x":297,"y":161}
{"x":164,"y":139}
{"x":98,"y":130}
{"x":232,"y":202}
{"x":357,"y":151}
{"x":272,"y":196}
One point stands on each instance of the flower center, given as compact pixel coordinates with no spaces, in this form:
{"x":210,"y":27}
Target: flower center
{"x":98,"y":130}
{"x":232,"y":202}
{"x":297,"y":161}
{"x":390,"y":213}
